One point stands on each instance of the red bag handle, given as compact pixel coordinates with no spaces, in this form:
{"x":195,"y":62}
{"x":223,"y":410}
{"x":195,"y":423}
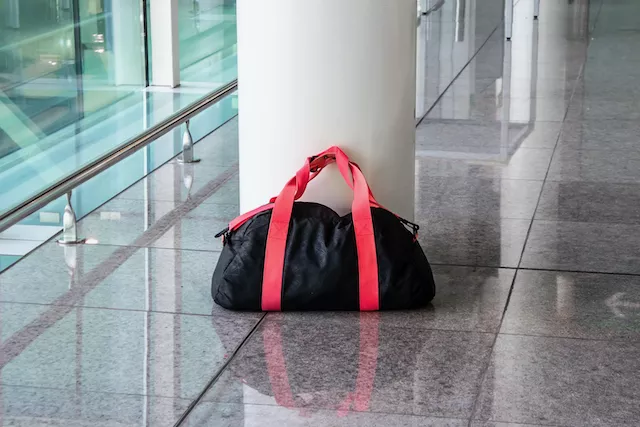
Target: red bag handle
{"x":315,"y":165}
{"x":363,"y":225}
{"x":367,"y":362}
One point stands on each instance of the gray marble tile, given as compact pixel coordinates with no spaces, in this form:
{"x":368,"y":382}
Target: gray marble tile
{"x":175,"y":182}
{"x":524,"y":163}
{"x":473,"y":241}
{"x":159,"y":224}
{"x":487,"y":198}
{"x":546,"y":86}
{"x":219,"y":148}
{"x":541,"y":108}
{"x":623,"y":135}
{"x":40,"y":407}
{"x":115,"y":351}
{"x":600,"y":108}
{"x":127,"y":278}
{"x":484,"y":137}
{"x":319,"y":365}
{"x":590,"y":202}
{"x":237,"y":415}
{"x":574,"y":305}
{"x":467,"y":299}
{"x":620,"y":166}
{"x":618,"y":86}
{"x":583,"y":246}
{"x":552,"y":381}
{"x":542,"y":135}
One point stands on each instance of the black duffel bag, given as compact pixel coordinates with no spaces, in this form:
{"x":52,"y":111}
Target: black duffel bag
{"x":303,"y":256}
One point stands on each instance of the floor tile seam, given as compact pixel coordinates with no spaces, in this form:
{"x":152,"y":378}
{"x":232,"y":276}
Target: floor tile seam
{"x":229,"y":316}
{"x":485,"y":370}
{"x":419,"y":122}
{"x":497,"y":178}
{"x":444,"y":264}
{"x":183,"y":218}
{"x":596,"y":120}
{"x":550,"y":270}
{"x":603,"y":273}
{"x":634,"y":342}
{"x":161,"y":200}
{"x":219,"y":373}
{"x":565,"y":147}
{"x":546,"y":175}
{"x":450,"y":264}
{"x":12,"y":239}
{"x":352,"y":410}
{"x":573,"y":221}
{"x":422,"y":151}
{"x":73,"y":389}
{"x":580,"y":181}
{"x":113,"y":245}
{"x":595,"y":21}
{"x":483,"y":122}
{"x":439,"y":217}
{"x":482,"y":178}
{"x":582,"y":119}
{"x":585,"y":95}
{"x":130,"y":245}
{"x":492,"y":420}
{"x":399,"y":327}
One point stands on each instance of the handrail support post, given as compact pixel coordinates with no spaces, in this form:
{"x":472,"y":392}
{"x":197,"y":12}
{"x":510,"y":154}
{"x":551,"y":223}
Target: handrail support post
{"x":187,"y":147}
{"x":70,"y":226}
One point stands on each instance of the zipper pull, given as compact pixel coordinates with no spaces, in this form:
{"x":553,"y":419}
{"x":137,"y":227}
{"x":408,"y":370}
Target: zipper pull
{"x":222,"y":233}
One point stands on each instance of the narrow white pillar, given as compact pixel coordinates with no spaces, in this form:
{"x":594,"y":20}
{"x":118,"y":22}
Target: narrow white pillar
{"x":317,"y":73}
{"x":424,"y":5}
{"x":165,"y":57}
{"x":12,"y":14}
{"x":128,"y":67}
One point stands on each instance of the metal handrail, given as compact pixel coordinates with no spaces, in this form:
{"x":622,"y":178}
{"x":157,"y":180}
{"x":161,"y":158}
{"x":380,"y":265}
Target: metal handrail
{"x":88,"y":171}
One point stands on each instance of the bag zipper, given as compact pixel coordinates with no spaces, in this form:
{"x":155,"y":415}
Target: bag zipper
{"x":413,"y":226}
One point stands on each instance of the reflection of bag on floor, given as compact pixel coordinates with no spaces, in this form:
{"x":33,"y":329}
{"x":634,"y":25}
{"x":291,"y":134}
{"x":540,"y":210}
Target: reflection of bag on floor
{"x":334,"y":367}
{"x":303,"y":256}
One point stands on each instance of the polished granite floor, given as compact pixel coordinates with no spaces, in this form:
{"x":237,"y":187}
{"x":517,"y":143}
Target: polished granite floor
{"x":528,"y":192}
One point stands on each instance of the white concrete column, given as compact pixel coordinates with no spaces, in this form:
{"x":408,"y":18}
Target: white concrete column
{"x":165,"y":56}
{"x":317,"y":73}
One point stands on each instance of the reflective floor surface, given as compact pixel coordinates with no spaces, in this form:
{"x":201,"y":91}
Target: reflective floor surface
{"x":527,"y":191}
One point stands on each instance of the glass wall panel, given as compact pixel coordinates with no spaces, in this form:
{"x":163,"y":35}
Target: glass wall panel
{"x":208,"y":41}
{"x":75,"y":81}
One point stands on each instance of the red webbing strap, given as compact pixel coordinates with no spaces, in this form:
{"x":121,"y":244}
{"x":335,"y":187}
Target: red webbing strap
{"x":275,"y":249}
{"x":365,"y":243}
{"x":363,"y":226}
